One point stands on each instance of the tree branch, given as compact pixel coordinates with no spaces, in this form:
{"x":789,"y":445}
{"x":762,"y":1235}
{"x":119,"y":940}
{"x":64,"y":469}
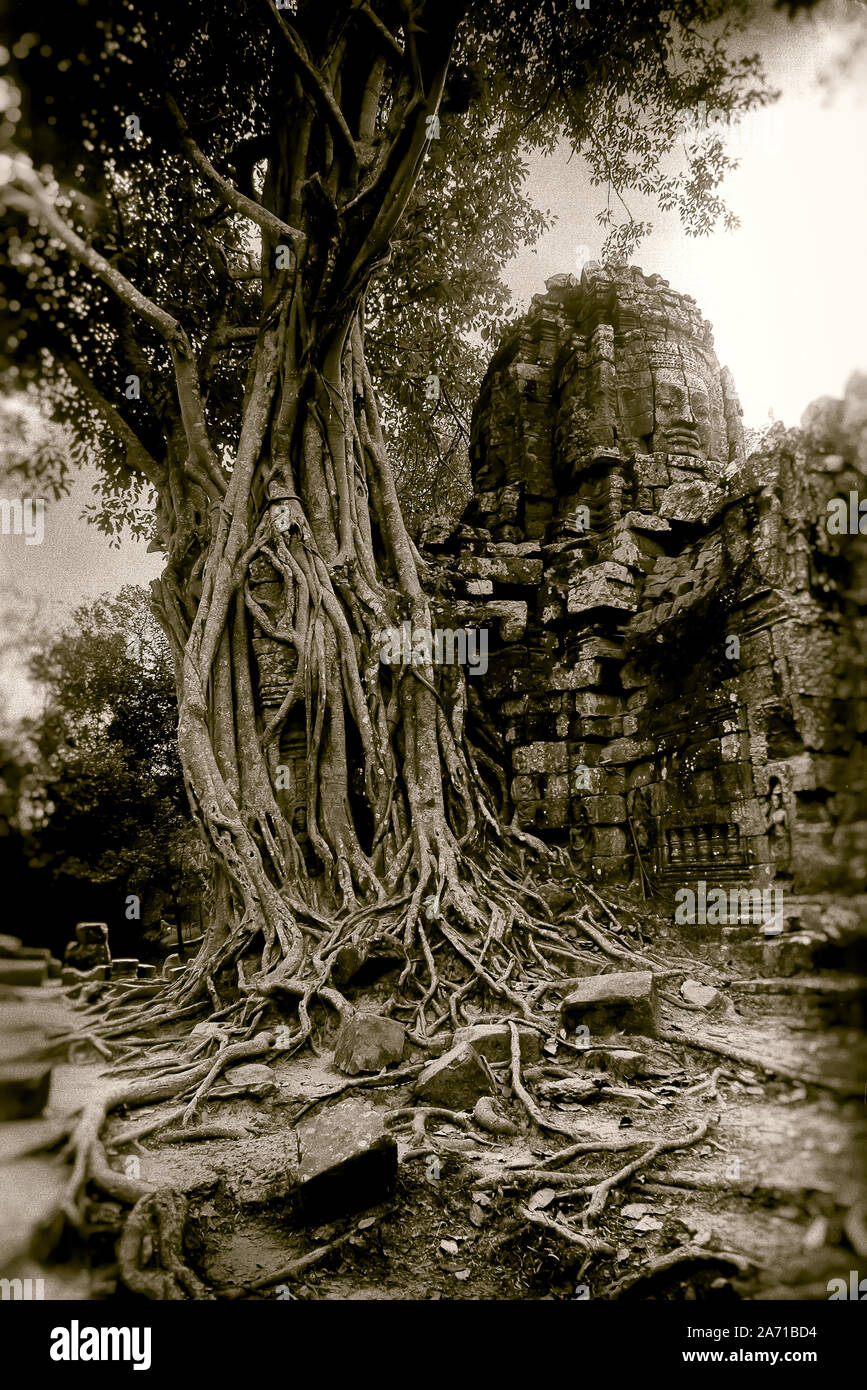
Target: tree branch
{"x":27,"y":193}
{"x":139,"y":460}
{"x":381,"y":28}
{"x":316,"y":85}
{"x":230,"y":195}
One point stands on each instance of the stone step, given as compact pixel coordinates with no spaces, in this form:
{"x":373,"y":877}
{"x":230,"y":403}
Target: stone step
{"x":830,"y":1000}
{"x":31,"y":1192}
{"x":23,"y":972}
{"x":747,"y":949}
{"x":842,"y":986}
{"x":138,"y":989}
{"x":24,"y":1088}
{"x":123,"y":968}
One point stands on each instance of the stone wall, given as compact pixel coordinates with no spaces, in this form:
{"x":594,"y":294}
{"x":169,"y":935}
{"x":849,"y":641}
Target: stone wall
{"x":676,"y":681}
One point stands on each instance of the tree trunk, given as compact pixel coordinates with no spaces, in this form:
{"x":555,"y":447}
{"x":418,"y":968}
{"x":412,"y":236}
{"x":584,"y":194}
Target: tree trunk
{"x":310,"y":554}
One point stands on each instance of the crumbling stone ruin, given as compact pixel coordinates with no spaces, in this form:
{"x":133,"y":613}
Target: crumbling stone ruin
{"x":676,"y":682}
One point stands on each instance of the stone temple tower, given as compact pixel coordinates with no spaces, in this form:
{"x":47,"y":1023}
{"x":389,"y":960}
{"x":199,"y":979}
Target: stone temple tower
{"x":676,"y":684}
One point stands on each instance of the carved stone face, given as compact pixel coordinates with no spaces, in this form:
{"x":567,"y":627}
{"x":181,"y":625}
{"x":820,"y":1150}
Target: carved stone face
{"x":682,"y":413}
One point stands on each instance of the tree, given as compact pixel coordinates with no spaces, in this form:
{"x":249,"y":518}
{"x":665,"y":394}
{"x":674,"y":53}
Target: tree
{"x":207,"y":210}
{"x":104,"y":793}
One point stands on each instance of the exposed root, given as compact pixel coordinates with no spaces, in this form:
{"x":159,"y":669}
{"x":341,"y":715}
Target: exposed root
{"x":234,"y":1052}
{"x":601,"y":1191}
{"x":839,"y":1085}
{"x":524,"y":1096}
{"x":536,"y":1174}
{"x":186,"y":1136}
{"x":591,"y":1244}
{"x":288,"y":1271}
{"x":85,"y":1145}
{"x":150,"y":1251}
{"x":691,"y":1256}
{"x":398,"y":1077}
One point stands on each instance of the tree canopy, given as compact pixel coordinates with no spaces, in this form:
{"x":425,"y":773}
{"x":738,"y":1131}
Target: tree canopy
{"x":104,"y":793}
{"x":157,"y":132}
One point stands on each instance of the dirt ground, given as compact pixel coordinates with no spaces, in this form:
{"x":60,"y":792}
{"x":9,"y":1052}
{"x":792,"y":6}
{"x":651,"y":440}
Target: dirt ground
{"x":770,"y":1203}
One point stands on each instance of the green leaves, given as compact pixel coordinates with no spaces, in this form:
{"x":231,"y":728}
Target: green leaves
{"x":106,"y":792}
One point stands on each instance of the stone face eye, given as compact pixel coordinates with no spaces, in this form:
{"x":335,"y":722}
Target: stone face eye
{"x":672,"y":399}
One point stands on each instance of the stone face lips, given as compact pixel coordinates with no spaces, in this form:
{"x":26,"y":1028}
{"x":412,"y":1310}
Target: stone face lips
{"x":455,"y":1080}
{"x":625,"y":1001}
{"x":367,"y":1043}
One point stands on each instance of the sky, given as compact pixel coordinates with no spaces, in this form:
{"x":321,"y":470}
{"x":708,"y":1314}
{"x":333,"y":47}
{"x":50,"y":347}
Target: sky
{"x":786,"y":292}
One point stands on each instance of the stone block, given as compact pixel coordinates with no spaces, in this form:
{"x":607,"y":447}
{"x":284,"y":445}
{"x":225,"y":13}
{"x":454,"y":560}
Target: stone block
{"x":171,"y":963}
{"x":627,"y":750}
{"x":255,"y":1078}
{"x":525,"y":788}
{"x":493,"y":1041}
{"x":609,"y":841}
{"x":455,"y":1080}
{"x":24,"y":1088}
{"x":541,"y":757}
{"x":588,"y":703}
{"x":577,"y":678}
{"x":124,"y":968}
{"x":626,"y":1001}
{"x":9,"y":946}
{"x":146,"y":972}
{"x":621,"y":1064}
{"x":91,"y":933}
{"x":596,"y":590}
{"x":606,"y":810}
{"x":22,"y":972}
{"x":784,"y":956}
{"x":89,"y":948}
{"x":505,"y":569}
{"x":348,"y":1162}
{"x":554,"y":813}
{"x":703,"y":996}
{"x":367,"y":1043}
